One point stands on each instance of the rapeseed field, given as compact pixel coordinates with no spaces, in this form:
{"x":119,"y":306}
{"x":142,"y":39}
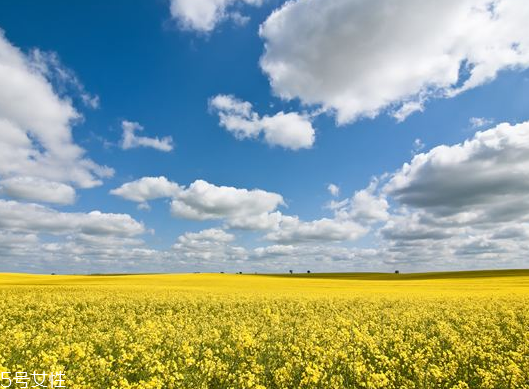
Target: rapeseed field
{"x":251,"y":331}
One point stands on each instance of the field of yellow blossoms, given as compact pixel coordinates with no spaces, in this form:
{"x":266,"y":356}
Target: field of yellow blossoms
{"x":468,"y":330}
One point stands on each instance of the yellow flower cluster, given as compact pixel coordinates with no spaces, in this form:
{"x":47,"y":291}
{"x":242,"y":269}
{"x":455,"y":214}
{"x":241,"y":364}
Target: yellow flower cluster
{"x":228,"y":331}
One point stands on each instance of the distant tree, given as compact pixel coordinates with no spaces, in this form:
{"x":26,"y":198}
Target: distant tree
{"x":397,"y":272}
{"x":291,"y":271}
{"x":308,"y":271}
{"x":52,"y":274}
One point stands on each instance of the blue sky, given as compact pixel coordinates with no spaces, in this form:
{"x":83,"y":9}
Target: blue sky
{"x":156,"y":65}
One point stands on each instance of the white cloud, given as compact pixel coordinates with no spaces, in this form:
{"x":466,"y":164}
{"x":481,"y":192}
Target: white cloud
{"x":315,"y":257}
{"x":334,"y":190}
{"x":65,"y":80}
{"x":210,"y":235}
{"x":205,"y":15}
{"x":130,"y":140}
{"x":78,"y":253}
{"x":411,"y":226}
{"x":37,"y":189}
{"x":276,"y":250}
{"x":239,"y":208}
{"x":38,"y":219}
{"x":333,"y":53}
{"x":289,"y":130}
{"x":480,"y":122}
{"x":421,"y":239}
{"x":464,"y":205}
{"x":293,"y":230}
{"x":487,"y":176}
{"x":36,"y":127}
{"x":206,"y":245}
{"x":147,"y":188}
{"x":418,"y":145}
{"x":243,"y":209}
{"x":366,"y":206}
{"x":407,"y":108}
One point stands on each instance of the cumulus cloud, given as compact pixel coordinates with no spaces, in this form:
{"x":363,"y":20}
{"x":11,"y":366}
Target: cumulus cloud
{"x":36,"y":238}
{"x":463,"y":204}
{"x":77,"y":253}
{"x":37,"y":189}
{"x":333,"y":53}
{"x":315,"y":257}
{"x":293,"y":230}
{"x":239,"y":208}
{"x":484,"y":177}
{"x":289,"y":130}
{"x":210,"y":235}
{"x":206,"y":245}
{"x":418,"y":239}
{"x":366,"y":206}
{"x":130,"y":140}
{"x":36,"y":131}
{"x":205,"y":15}
{"x":147,"y":188}
{"x":38,"y":219}
{"x":413,"y":226}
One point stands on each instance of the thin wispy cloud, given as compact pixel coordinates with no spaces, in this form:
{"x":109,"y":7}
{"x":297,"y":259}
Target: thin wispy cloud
{"x":131,"y":141}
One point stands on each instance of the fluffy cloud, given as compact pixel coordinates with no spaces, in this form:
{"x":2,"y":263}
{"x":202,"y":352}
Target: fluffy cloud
{"x":464,"y":204}
{"x":418,"y":239}
{"x":293,"y":230}
{"x":37,"y":238}
{"x":130,"y":140}
{"x":314,"y":257}
{"x":37,"y":189}
{"x":204,"y":15}
{"x":205,"y":201}
{"x":239,"y":208}
{"x":243,"y":209}
{"x":147,"y":188}
{"x":36,"y":129}
{"x":334,"y":53}
{"x":77,"y":253}
{"x":366,"y":206}
{"x":38,"y":219}
{"x":213,"y":235}
{"x":412,"y":226}
{"x":289,"y":130}
{"x":484,"y":178}
{"x":206,"y":245}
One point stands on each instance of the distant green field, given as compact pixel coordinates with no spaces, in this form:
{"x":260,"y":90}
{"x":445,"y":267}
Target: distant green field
{"x":410,"y":276}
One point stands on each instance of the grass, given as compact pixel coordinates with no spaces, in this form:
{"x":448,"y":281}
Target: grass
{"x":411,"y":276}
